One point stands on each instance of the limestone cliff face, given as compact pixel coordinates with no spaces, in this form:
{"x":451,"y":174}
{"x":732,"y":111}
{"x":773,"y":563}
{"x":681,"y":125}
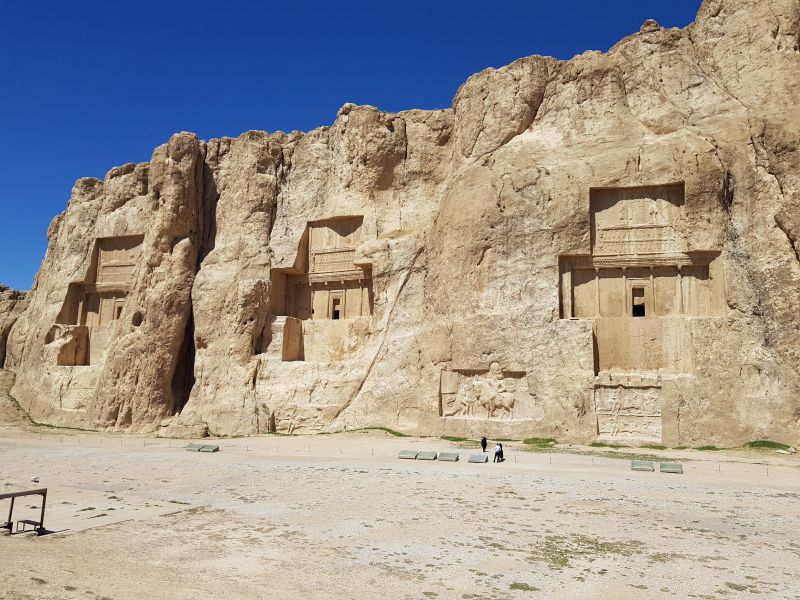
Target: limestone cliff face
{"x":12,"y":304}
{"x":602,"y":247}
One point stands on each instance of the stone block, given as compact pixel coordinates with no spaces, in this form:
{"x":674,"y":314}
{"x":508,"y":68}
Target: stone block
{"x":199,"y":447}
{"x":672,"y":468}
{"x":642,"y":465}
{"x":448,"y":456}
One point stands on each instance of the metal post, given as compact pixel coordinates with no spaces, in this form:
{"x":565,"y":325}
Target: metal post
{"x":10,"y":523}
{"x":41,"y":529}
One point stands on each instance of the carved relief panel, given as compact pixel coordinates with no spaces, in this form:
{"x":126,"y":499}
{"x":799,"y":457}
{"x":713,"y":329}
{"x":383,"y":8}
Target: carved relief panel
{"x":486,"y":394}
{"x":637,"y":221}
{"x":628,"y":409}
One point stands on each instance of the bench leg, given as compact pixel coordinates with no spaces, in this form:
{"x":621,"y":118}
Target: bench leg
{"x":9,"y":522}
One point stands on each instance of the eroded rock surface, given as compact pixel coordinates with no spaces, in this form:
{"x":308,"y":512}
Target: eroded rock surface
{"x":12,"y":304}
{"x":602,"y":247}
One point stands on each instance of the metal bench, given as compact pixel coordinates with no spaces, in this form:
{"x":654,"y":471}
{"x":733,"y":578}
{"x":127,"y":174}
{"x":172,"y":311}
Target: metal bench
{"x":38,"y":526}
{"x":642,"y":465}
{"x":425,"y":455}
{"x":478,"y":458}
{"x":408,"y":454}
{"x":22,"y":525}
{"x":672,"y":468}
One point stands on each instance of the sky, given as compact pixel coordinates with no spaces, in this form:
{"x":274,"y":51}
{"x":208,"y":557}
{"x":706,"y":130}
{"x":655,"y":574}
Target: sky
{"x":88,"y":85}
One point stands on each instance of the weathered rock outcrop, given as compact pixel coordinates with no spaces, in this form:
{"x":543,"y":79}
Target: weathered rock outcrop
{"x":602,"y":247}
{"x":12,"y":304}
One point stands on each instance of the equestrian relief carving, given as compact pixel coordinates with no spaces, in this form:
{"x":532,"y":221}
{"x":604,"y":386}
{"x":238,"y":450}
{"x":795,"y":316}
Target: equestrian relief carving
{"x":485,"y":394}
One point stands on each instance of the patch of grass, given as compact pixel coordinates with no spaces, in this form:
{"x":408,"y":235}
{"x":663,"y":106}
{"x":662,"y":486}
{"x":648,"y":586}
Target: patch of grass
{"x":87,"y":508}
{"x":637,"y":456}
{"x":523,"y":586}
{"x":558,"y":551}
{"x":539,"y":442}
{"x":662,"y":557}
{"x":766,"y":444}
{"x":610,"y":453}
{"x":708,"y":448}
{"x":98,"y":515}
{"x":469,"y":444}
{"x":177,"y":502}
{"x":654,"y":446}
{"x":389,"y":431}
{"x":454,"y":438}
{"x":59,"y":427}
{"x":736,"y":586}
{"x":607,"y":445}
{"x":195,"y":510}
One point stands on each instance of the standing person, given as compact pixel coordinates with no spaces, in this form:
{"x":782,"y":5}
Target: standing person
{"x":498,"y":452}
{"x":483,"y":443}
{"x":502,"y":458}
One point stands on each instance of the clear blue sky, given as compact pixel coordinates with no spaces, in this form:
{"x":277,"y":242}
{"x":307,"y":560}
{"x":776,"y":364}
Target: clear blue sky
{"x":87,"y":85}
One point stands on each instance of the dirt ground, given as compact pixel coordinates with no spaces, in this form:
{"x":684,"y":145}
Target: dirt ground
{"x":341,"y":516}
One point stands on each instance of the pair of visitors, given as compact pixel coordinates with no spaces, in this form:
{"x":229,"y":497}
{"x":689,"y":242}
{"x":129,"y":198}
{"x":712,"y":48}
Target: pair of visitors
{"x":498,"y":453}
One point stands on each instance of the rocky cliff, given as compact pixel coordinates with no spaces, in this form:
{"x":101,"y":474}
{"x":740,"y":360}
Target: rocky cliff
{"x":12,"y":304}
{"x":602,"y":247}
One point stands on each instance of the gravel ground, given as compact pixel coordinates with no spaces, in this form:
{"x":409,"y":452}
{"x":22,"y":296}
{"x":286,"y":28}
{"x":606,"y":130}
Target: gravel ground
{"x":340,"y":516}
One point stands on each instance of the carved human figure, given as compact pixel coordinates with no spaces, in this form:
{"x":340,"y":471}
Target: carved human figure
{"x":493,"y":394}
{"x":291,"y":420}
{"x":465,"y":401}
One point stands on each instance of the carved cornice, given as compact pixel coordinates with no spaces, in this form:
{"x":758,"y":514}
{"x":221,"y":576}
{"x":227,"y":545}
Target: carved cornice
{"x":639,"y":260}
{"x":334,"y":276}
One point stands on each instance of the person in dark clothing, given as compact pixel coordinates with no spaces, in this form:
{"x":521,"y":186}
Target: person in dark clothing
{"x":483,"y":443}
{"x":502,"y":458}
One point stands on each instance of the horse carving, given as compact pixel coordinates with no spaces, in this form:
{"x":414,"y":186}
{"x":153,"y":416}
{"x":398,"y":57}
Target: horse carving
{"x":494,"y":399}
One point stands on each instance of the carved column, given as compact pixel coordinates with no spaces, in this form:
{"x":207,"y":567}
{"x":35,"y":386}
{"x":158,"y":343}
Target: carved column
{"x":596,"y":292}
{"x":652,"y":292}
{"x":625,"y":291}
{"x":680,"y":291}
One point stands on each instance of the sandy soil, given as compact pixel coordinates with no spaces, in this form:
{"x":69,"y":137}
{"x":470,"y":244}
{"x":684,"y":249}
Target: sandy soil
{"x":341,"y":516}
